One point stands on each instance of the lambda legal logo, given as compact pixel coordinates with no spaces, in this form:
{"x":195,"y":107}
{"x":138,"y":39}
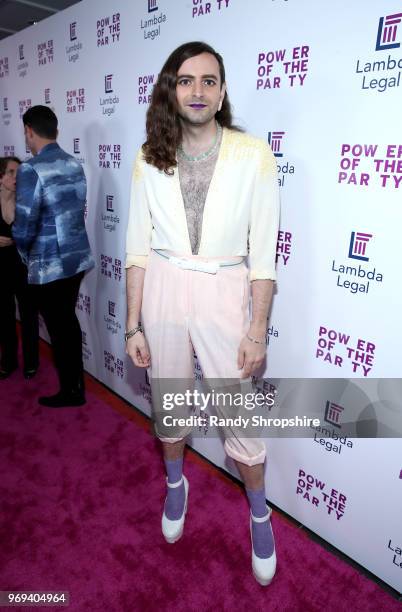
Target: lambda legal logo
{"x":109,"y":203}
{"x":357,"y":246}
{"x":285,"y":169}
{"x":112,"y":324}
{"x":360,"y":273}
{"x":110,"y":220}
{"x":76,"y":145}
{"x":73,"y":33}
{"x":332,"y":413}
{"x":151,"y":27}
{"x":329,"y":438}
{"x":112,"y":308}
{"x":47,"y":96}
{"x":275,"y":140}
{"x":108,"y":83}
{"x":5,"y":104}
{"x":21,"y":51}
{"x":387,"y":32}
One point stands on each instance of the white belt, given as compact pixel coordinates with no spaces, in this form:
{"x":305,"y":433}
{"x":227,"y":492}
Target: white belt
{"x":211,"y":267}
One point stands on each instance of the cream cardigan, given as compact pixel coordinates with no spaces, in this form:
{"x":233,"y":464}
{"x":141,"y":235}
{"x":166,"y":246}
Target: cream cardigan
{"x":241,"y":214}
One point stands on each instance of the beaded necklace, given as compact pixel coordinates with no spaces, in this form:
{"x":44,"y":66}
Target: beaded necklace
{"x":211,"y":151}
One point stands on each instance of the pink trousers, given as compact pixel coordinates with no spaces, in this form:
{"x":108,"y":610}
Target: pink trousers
{"x":189,"y":310}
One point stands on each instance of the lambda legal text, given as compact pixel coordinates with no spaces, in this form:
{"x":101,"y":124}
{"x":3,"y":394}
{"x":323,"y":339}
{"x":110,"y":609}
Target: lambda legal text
{"x":354,"y":286}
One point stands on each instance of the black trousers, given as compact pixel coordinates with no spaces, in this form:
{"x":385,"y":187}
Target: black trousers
{"x":14,"y":285}
{"x":56,"y":302}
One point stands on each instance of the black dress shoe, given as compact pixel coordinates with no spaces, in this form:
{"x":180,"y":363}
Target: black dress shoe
{"x":29,"y":373}
{"x":6,"y":372}
{"x":62,"y":400}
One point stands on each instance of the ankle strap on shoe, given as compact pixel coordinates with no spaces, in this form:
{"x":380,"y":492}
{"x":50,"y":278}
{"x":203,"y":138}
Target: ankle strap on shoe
{"x":173,"y":485}
{"x":262,"y":519}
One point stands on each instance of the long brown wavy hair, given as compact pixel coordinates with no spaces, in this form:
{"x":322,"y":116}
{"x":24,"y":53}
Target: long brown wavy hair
{"x":164,"y":133}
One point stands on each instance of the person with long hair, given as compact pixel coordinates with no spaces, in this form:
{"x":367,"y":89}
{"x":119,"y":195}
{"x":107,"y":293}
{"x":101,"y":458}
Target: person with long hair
{"x":204,"y":196}
{"x":14,"y":285}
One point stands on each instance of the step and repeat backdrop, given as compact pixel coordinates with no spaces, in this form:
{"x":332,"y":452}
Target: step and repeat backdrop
{"x":324,"y":88}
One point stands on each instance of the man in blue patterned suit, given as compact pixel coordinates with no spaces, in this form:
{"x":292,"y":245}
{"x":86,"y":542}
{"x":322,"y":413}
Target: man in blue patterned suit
{"x":49,"y":231}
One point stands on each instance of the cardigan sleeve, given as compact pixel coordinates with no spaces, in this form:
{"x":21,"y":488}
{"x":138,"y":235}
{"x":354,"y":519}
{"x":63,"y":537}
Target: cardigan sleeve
{"x":138,"y":238}
{"x":264,"y":218}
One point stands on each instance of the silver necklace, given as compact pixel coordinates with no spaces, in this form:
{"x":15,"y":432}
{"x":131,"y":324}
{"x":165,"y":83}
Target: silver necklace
{"x":211,"y":151}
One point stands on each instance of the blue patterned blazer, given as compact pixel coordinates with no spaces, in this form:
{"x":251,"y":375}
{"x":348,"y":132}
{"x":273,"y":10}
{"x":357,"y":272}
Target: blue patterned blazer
{"x":49,"y":227}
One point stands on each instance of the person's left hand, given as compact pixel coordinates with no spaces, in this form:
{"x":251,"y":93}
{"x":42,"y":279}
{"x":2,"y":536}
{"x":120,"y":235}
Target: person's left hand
{"x":250,"y":356}
{"x":5,"y":241}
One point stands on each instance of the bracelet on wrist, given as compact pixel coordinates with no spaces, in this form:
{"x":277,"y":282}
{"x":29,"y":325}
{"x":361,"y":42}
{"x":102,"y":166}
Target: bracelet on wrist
{"x":256,"y":341}
{"x":130,"y":334}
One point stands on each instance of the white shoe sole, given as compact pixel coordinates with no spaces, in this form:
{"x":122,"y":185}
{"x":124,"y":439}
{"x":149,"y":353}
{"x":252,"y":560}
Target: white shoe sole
{"x":262,"y":581}
{"x":171,"y":539}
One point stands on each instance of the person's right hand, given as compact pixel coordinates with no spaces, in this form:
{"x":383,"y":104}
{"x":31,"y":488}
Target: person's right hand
{"x":138,"y":349}
{"x":5,"y":241}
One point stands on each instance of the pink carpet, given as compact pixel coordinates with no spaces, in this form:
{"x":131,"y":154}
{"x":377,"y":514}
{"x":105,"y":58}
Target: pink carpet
{"x":81,"y":497}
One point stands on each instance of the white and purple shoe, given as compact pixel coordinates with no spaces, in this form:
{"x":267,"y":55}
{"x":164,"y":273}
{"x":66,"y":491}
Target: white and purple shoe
{"x":173,"y":529}
{"x":263,"y":567}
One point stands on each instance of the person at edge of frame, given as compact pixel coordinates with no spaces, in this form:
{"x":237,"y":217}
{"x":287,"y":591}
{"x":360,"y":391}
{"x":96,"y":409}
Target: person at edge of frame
{"x":14,"y":286}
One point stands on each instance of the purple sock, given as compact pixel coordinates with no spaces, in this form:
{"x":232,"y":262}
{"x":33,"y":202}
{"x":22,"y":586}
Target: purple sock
{"x":174,"y":504}
{"x":263,"y":538}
